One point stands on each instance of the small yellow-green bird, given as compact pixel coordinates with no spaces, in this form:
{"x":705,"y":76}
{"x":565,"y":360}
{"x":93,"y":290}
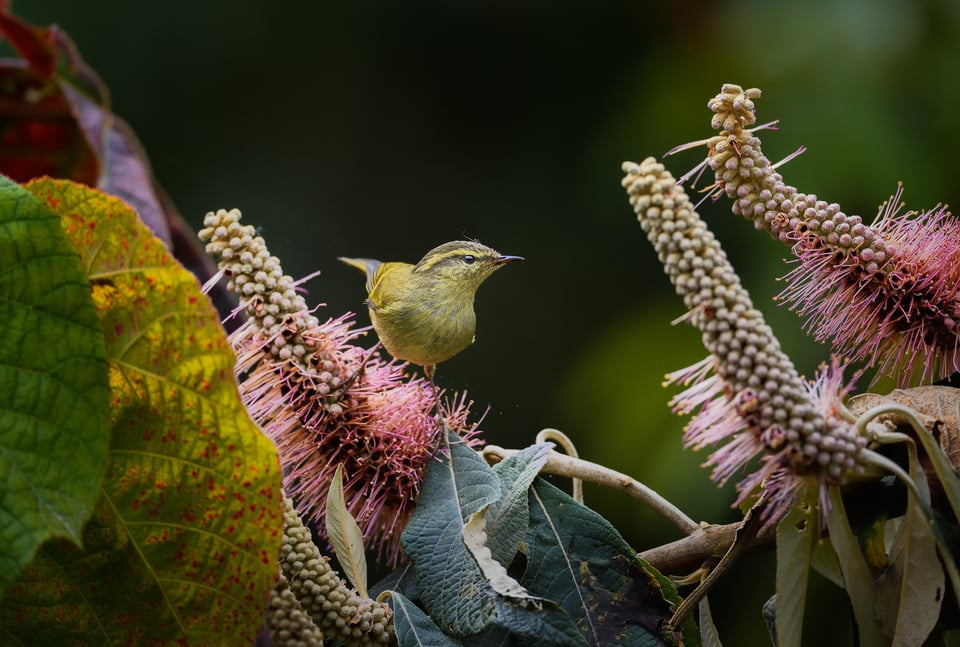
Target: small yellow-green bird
{"x":423,"y":313}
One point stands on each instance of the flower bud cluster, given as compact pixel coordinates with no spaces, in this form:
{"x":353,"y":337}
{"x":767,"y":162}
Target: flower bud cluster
{"x":289,"y":625}
{"x":885,"y":293}
{"x":747,"y":391}
{"x":338,"y":610}
{"x":278,"y":320}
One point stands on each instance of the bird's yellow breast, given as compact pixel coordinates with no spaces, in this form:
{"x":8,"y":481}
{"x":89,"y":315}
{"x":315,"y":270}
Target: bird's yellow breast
{"x":416,"y":318}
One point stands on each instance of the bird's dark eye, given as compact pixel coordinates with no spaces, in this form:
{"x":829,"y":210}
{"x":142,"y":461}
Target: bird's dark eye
{"x":469,"y":259}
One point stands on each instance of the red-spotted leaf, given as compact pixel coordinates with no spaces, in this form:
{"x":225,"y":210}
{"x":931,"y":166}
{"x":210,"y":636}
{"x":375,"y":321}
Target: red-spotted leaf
{"x":184,"y":544}
{"x":53,"y":384}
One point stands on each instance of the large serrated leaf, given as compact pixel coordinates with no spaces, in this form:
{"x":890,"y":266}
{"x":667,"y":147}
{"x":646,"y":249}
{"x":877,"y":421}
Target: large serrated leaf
{"x":457,"y":485}
{"x":450,"y":583}
{"x":507,"y":520}
{"x":53,"y":384}
{"x":185,"y":540}
{"x":414,"y":628}
{"x":575,"y":557}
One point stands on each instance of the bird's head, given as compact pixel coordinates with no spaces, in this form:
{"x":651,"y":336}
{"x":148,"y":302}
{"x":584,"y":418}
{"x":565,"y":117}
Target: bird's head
{"x":464,"y":262}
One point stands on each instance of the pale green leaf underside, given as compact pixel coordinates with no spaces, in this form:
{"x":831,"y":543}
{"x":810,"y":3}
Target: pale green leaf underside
{"x":795,"y":537}
{"x":345,"y":535}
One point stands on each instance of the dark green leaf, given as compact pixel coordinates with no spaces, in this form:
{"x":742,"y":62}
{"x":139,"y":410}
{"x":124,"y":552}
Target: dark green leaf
{"x":414,"y":628}
{"x":450,"y":583}
{"x":575,"y":557}
{"x":457,"y":486}
{"x":402,"y":581}
{"x":507,"y":520}
{"x":54,"y":432}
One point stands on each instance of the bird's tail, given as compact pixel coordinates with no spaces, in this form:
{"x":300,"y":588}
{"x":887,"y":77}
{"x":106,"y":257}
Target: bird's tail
{"x":366,"y":265}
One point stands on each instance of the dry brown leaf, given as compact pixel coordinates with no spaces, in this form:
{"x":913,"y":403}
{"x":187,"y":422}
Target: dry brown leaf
{"x":938,"y":408}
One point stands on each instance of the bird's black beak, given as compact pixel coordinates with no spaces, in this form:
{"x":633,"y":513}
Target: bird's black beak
{"x":501,"y":260}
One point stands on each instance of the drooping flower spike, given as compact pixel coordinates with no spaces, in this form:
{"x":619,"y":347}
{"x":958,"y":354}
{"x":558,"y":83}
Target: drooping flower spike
{"x":324,"y":400}
{"x":746,"y":395}
{"x":885,"y":293}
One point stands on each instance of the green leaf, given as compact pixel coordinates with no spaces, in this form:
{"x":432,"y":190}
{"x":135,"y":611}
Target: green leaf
{"x":911,"y":590}
{"x":185,"y":541}
{"x":403,"y":581}
{"x":345,"y":535}
{"x":948,"y":480}
{"x":796,"y":533}
{"x":454,"y":487}
{"x":824,"y":561}
{"x":544,"y":623}
{"x":507,"y":521}
{"x":53,"y":384}
{"x":575,"y":557}
{"x":414,"y":628}
{"x":457,"y":485}
{"x":856,"y":574}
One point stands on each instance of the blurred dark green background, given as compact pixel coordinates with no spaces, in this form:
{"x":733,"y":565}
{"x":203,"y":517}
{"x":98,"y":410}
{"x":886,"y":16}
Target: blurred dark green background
{"x":382,"y":129}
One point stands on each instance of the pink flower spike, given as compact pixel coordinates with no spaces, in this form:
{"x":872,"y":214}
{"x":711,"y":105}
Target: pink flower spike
{"x":884,"y":294}
{"x":326,"y":401}
{"x":746,"y":396}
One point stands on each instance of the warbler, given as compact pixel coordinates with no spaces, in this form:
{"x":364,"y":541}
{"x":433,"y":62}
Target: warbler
{"x":424,"y":313}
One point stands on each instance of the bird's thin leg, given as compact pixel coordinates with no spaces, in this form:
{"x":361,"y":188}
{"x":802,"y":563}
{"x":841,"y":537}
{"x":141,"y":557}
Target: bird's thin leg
{"x":430,"y":370}
{"x":353,"y":378}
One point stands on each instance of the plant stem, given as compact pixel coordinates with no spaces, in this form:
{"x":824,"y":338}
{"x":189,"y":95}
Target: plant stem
{"x":571,"y":467}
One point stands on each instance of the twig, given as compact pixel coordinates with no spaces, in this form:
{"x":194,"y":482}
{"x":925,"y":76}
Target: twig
{"x":571,"y":467}
{"x":747,"y":532}
{"x":563,"y":441}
